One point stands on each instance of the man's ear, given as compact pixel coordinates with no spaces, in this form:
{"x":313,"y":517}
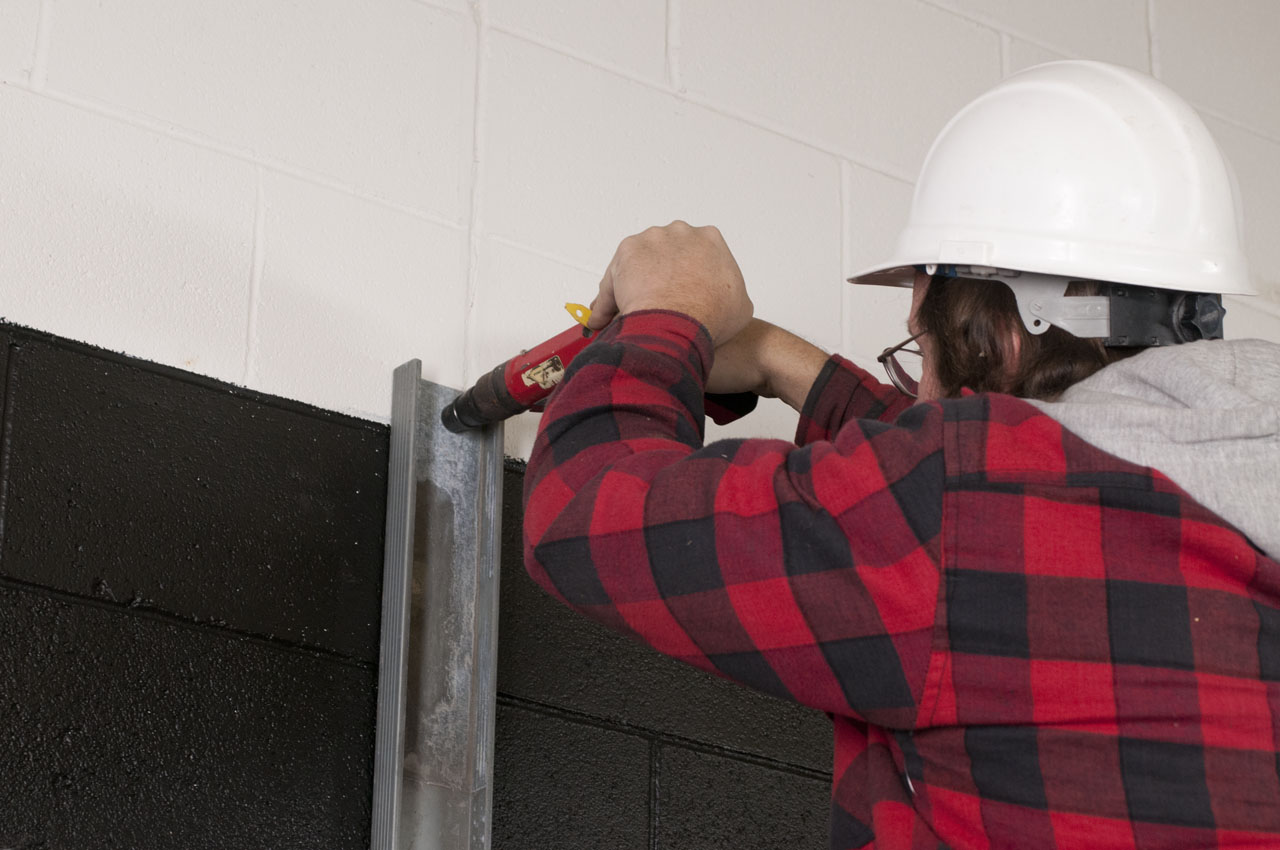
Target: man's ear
{"x":1015,"y":345}
{"x":1011,"y":354}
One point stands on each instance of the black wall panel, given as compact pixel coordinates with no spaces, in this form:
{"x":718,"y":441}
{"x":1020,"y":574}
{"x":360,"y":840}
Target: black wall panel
{"x":709,"y":802}
{"x":142,"y":485}
{"x":568,"y":785}
{"x":125,"y":730}
{"x":190,"y":581}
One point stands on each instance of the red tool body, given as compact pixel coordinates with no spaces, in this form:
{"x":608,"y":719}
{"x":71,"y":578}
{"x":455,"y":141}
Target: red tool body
{"x":524,"y":382}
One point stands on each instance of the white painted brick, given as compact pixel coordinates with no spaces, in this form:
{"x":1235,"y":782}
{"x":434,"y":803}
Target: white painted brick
{"x":876,"y":208}
{"x":1256,"y":161}
{"x":459,"y":6}
{"x":520,"y":299}
{"x":19,"y":20}
{"x":350,"y":290}
{"x":578,"y":158}
{"x":1223,"y":56}
{"x":375,"y":94}
{"x":875,"y":316}
{"x":626,"y":34}
{"x":1110,"y":30}
{"x":124,"y":239}
{"x":872,"y":79}
{"x":1252,"y":318}
{"x":1023,"y":54}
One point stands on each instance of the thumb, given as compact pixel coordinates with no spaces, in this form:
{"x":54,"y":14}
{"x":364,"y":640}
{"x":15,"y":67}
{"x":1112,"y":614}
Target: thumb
{"x":603,"y":308}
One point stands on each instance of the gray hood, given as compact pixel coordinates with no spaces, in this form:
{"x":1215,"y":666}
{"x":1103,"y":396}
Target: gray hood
{"x":1206,"y":414}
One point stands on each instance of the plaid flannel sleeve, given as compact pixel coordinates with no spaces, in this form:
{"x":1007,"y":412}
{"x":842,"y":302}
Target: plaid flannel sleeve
{"x":843,"y":392}
{"x":811,"y":573}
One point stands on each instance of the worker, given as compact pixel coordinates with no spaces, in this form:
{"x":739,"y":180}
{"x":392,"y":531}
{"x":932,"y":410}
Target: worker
{"x":1034,"y":584}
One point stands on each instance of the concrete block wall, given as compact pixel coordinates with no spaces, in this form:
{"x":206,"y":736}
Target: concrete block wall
{"x":299,"y":197}
{"x":190,"y":591}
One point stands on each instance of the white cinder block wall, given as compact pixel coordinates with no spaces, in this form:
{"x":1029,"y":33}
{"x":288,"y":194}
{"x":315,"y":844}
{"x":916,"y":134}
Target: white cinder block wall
{"x":298,"y":197}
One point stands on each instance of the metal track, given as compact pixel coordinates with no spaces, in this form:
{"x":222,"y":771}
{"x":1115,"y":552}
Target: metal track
{"x":433,"y":758}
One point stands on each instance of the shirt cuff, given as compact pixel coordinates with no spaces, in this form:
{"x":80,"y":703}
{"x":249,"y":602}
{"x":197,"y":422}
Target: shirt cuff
{"x":667,"y":332}
{"x":843,"y":392}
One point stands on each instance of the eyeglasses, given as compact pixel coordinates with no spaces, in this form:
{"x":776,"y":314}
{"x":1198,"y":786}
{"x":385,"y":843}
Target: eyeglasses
{"x":904,"y":365}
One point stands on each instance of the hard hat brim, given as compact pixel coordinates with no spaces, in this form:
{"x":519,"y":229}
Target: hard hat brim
{"x":897,"y":275}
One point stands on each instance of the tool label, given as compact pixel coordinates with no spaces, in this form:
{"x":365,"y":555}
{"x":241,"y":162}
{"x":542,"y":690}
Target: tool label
{"x":546,"y":374}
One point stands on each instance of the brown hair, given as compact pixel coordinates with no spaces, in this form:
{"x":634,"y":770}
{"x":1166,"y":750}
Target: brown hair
{"x":970,"y":324}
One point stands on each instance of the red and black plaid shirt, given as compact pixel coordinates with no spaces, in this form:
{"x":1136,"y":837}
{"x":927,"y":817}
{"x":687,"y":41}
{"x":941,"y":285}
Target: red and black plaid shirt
{"x":1022,"y":641}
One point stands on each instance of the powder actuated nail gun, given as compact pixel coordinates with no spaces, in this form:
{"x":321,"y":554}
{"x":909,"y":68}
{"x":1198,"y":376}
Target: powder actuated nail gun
{"x":524,"y":382}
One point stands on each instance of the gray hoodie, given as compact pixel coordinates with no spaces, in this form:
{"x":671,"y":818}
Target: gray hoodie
{"x":1206,"y":414}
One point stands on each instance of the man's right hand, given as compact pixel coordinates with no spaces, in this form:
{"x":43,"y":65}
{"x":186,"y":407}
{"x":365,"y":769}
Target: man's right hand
{"x":678,"y":267}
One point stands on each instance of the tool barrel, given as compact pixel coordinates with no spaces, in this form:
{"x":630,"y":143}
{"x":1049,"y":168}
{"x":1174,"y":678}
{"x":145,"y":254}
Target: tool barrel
{"x":487,"y":402}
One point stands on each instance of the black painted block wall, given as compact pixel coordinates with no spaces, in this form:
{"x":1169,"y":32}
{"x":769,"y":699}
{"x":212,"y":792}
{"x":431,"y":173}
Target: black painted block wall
{"x":190,"y":580}
{"x":190,"y":585}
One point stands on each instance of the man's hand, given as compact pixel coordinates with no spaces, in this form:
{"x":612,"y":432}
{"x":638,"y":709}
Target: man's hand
{"x":678,"y":267}
{"x":767,"y":361}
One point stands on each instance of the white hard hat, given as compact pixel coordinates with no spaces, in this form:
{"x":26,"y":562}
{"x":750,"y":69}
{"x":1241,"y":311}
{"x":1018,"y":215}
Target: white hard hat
{"x":1076,"y":170}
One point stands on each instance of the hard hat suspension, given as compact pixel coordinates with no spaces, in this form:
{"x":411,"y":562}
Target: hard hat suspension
{"x":1122,"y":315}
{"x":1141,"y":316}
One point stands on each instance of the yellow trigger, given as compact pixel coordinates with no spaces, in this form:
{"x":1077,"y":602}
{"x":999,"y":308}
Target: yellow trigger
{"x":580,"y":314}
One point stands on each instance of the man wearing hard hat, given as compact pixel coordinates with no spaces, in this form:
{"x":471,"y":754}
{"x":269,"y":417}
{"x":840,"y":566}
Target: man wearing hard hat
{"x":1034,"y":583}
